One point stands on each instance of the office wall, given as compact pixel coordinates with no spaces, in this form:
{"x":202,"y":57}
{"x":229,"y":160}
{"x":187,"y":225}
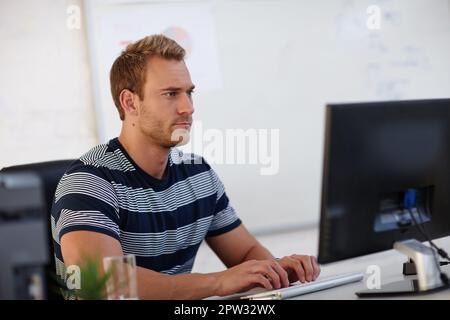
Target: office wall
{"x":274,"y":64}
{"x":269,"y":65}
{"x":46,"y":105}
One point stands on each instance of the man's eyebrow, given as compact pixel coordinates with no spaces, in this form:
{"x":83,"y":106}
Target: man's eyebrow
{"x":177,"y":88}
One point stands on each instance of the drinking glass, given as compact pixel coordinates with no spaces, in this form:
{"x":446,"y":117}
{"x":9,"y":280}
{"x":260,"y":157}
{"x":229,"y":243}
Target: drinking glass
{"x":122,"y":283}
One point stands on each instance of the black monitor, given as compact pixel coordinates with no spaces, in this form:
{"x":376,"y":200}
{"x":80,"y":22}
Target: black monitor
{"x":377,"y":155}
{"x":24,"y":253}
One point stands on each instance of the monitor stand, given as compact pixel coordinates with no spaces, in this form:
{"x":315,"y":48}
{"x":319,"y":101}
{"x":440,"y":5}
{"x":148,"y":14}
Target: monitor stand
{"x":428,"y":273}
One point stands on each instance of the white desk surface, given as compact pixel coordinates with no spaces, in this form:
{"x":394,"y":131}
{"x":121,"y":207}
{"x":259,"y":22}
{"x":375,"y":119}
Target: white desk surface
{"x":390,"y":263}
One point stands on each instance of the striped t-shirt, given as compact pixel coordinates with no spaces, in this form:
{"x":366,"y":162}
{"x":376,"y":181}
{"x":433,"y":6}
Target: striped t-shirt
{"x":162,"y":222}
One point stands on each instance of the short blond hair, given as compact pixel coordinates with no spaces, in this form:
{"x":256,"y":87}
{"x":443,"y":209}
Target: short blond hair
{"x":129,"y":69}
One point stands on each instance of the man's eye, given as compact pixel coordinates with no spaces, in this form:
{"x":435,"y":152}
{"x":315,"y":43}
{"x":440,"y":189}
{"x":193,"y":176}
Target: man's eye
{"x":190,"y":93}
{"x":170,"y":94}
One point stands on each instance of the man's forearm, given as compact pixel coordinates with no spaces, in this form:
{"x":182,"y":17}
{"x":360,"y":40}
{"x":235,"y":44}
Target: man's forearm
{"x":258,"y":252}
{"x":154,"y":285}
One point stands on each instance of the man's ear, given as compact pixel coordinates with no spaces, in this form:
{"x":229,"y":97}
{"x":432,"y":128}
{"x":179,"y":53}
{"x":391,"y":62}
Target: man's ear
{"x":129,"y":102}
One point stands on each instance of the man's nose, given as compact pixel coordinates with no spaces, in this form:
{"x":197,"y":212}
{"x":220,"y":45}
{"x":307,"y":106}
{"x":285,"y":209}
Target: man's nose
{"x":186,"y":105}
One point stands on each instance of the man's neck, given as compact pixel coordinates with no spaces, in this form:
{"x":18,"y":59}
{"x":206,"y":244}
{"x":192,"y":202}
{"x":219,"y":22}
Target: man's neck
{"x":147,"y":155}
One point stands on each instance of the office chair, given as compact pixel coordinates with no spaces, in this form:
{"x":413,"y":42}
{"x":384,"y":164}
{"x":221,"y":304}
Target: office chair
{"x":50,"y":173}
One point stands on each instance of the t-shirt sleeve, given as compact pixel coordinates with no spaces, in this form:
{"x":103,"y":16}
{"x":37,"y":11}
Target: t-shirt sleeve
{"x":84,"y":200}
{"x":225,"y":218}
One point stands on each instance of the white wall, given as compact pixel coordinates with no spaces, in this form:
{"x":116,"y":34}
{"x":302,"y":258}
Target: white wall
{"x":46,"y":105}
{"x":280,"y":62}
{"x":274,"y":64}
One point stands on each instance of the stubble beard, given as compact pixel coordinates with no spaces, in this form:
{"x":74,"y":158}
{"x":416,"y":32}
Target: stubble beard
{"x":166,"y":138}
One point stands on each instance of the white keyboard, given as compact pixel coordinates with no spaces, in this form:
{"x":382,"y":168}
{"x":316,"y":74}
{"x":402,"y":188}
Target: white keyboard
{"x":304,"y":288}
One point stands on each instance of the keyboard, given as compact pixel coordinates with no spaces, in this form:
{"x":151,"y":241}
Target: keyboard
{"x":304,"y":288}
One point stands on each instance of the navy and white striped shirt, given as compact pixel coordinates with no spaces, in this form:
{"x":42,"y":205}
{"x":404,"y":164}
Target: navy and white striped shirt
{"x":162,"y":222}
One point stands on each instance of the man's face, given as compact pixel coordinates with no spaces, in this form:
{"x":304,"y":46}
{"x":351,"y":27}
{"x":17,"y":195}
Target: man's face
{"x":165,"y":113}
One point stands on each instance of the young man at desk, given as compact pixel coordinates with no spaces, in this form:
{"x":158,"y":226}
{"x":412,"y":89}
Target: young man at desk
{"x":139,"y":195}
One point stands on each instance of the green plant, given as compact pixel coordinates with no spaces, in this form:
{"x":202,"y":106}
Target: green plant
{"x":92,"y":282}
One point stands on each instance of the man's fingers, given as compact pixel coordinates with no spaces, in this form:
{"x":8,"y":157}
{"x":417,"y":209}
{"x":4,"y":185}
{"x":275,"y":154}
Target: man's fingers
{"x":282,"y":273}
{"x":261,"y":280}
{"x":298,"y":268}
{"x":307,"y":266}
{"x":266,"y":268}
{"x":271,"y":274}
{"x":316,"y":267}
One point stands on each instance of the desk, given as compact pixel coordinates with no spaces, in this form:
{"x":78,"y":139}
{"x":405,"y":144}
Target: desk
{"x":390,"y":263}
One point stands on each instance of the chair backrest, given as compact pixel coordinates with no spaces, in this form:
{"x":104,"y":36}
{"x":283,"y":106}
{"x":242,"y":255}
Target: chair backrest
{"x":50,"y":173}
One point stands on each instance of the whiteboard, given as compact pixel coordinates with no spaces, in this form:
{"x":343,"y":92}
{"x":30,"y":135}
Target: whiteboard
{"x":273,"y":65}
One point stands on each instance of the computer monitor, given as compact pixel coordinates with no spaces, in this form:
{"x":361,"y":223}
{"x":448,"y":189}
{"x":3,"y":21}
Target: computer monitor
{"x":376,"y":154}
{"x":24,"y":253}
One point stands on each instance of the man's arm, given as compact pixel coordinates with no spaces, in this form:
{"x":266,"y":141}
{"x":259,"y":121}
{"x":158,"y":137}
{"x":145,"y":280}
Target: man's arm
{"x":239,"y":245}
{"x":78,"y":245}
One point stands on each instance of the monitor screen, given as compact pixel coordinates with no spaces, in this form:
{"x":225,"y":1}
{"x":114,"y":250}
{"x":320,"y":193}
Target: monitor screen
{"x":377,"y":155}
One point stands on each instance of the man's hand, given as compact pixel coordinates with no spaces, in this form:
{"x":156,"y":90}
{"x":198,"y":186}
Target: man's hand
{"x":301,"y":268}
{"x":253,"y":273}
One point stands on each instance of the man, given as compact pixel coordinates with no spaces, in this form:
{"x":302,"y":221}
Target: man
{"x":139,"y":195}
